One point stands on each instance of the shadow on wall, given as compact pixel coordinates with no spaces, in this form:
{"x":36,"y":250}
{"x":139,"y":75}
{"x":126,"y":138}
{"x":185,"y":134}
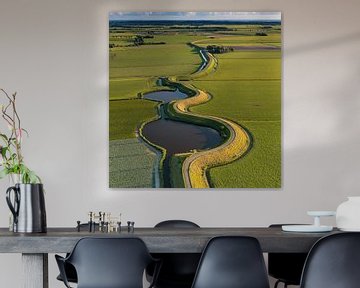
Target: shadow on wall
{"x":352,"y":37}
{"x":322,"y":116}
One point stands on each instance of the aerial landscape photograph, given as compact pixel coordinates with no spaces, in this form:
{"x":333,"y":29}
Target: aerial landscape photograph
{"x":195,"y":99}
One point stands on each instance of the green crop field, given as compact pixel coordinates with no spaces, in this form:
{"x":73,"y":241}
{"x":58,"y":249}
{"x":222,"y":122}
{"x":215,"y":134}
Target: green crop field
{"x":127,"y":115}
{"x":259,"y":168}
{"x":238,"y":40}
{"x":129,"y":88}
{"x":249,"y":100}
{"x":132,"y":159}
{"x":249,"y":54}
{"x":154,"y":60}
{"x":253,"y":100}
{"x":238,"y":68}
{"x":135,"y":70}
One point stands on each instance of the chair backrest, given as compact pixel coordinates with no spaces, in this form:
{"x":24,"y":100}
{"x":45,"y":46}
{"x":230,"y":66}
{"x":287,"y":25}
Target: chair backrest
{"x":177,"y":268}
{"x":333,"y":262}
{"x":232,"y":262}
{"x":110,"y":262}
{"x":176,"y":224}
{"x":286,"y":266}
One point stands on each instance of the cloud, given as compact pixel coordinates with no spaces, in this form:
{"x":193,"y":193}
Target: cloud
{"x":250,"y":15}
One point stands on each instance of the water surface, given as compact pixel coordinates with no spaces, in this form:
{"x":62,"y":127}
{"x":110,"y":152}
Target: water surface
{"x":176,"y":136}
{"x":180,"y":137}
{"x":165,"y":96}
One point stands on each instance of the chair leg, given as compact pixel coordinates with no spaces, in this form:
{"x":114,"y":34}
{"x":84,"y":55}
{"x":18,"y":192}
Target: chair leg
{"x":278,"y":282}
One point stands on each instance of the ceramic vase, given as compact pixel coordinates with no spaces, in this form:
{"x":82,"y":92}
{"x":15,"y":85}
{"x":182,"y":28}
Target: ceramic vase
{"x":348,"y":215}
{"x":27,"y":204}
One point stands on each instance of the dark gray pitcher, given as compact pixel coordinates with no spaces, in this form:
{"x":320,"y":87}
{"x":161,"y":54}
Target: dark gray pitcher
{"x":28,"y":207}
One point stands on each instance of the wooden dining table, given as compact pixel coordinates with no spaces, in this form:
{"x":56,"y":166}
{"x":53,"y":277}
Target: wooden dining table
{"x":35,"y":247}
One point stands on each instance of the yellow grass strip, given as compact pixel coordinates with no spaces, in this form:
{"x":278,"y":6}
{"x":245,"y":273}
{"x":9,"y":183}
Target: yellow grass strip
{"x":210,"y":66}
{"x":195,"y":166}
{"x":231,"y":150}
{"x":183,"y":105}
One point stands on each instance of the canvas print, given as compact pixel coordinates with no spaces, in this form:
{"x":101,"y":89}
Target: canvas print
{"x":195,"y":100}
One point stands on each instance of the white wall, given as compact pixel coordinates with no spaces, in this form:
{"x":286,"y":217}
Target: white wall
{"x":55,"y":55}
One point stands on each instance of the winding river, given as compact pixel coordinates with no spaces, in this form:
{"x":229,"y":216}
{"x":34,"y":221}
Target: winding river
{"x":175,"y":136}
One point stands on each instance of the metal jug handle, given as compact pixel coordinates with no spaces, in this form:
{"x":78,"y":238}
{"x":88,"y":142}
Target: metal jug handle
{"x":13,"y":208}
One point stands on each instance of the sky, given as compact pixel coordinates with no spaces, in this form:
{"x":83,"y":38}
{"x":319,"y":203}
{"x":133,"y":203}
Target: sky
{"x":194,"y":16}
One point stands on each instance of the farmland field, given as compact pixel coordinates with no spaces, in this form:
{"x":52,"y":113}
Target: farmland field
{"x":136,"y":69}
{"x":232,"y":71}
{"x":250,"y":98}
{"x":259,"y":168}
{"x":131,"y":158}
{"x":133,"y":112}
{"x":126,"y":88}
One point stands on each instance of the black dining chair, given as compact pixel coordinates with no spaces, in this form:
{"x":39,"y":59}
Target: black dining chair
{"x":108,"y":263}
{"x":232,"y":262}
{"x":333,"y":262}
{"x":70,"y":271}
{"x":286,"y":267}
{"x":178,"y":269}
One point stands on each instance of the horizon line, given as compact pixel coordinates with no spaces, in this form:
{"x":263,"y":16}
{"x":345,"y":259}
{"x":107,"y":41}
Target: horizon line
{"x":195,"y":16}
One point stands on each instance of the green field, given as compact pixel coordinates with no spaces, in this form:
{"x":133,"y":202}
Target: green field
{"x":242,"y":88}
{"x":135,"y":70}
{"x":153,"y":60}
{"x":127,"y":115}
{"x":249,"y":100}
{"x":235,"y":66}
{"x":244,"y":84}
{"x":129,"y":88}
{"x":259,"y":168}
{"x":131,"y":164}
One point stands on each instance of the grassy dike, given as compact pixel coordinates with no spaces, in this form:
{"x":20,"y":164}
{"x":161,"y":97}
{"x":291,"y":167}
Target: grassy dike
{"x":236,"y":139}
{"x":192,"y":118}
{"x":210,"y":62}
{"x":175,"y":164}
{"x":153,"y":145}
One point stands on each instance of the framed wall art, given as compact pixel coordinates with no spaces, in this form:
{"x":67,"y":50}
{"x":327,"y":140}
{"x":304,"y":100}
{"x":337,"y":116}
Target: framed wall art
{"x":195,"y":99}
